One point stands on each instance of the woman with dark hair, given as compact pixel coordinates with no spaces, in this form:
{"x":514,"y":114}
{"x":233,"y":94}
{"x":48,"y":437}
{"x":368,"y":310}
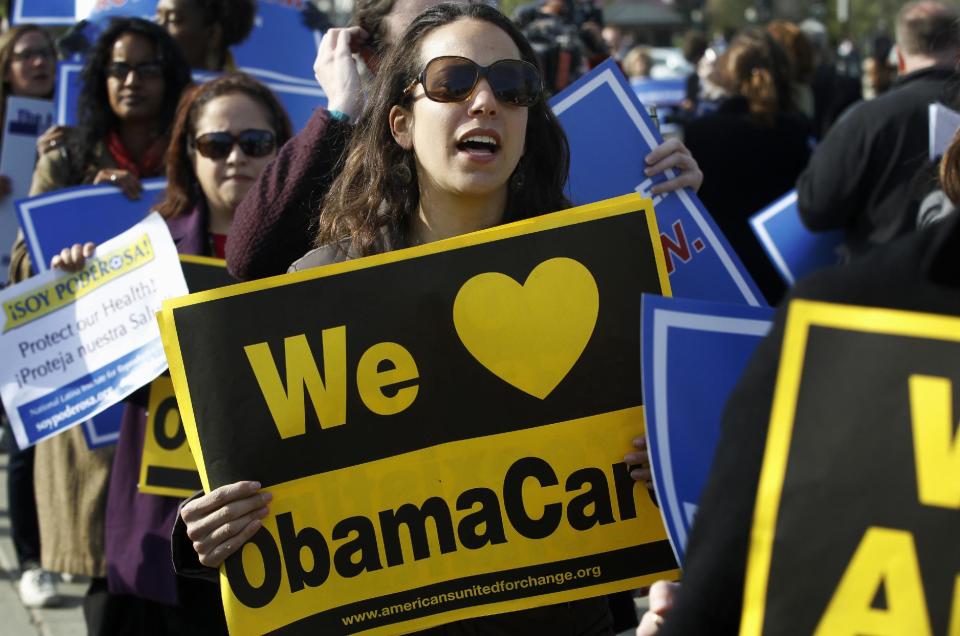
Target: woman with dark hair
{"x":132,"y":82}
{"x":225,"y":132}
{"x":758,"y":121}
{"x":27,"y":59}
{"x":430,"y":158}
{"x":206,"y":29}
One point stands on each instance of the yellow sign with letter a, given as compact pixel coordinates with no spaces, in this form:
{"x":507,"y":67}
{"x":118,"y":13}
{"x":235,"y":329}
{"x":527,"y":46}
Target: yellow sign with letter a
{"x":442,"y":428}
{"x":857,"y":521}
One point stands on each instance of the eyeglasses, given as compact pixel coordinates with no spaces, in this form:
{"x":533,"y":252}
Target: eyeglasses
{"x":453,"y":78}
{"x":28,"y":54}
{"x":253,"y":143}
{"x":146,"y":70}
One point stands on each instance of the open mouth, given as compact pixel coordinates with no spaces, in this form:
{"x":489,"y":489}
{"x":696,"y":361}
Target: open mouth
{"x":479,"y":144}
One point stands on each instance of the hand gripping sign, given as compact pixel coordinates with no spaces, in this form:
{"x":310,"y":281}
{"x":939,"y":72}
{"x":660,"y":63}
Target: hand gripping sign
{"x":858,"y":510}
{"x":74,"y":344}
{"x":442,"y":428}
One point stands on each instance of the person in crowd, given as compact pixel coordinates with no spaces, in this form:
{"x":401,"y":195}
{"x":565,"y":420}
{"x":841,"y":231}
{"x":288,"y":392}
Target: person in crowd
{"x":695,"y":45}
{"x":833,"y":92}
{"x":28,"y":60}
{"x":225,"y":133}
{"x":860,"y":175}
{"x":206,"y":29}
{"x":772,"y":142}
{"x":637,"y":64}
{"x":132,"y":81}
{"x":410,"y":177}
{"x":879,"y":72}
{"x":916,"y":272}
{"x":800,"y":54}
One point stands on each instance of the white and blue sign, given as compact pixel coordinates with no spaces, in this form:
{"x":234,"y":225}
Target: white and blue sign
{"x":693,"y":353}
{"x":55,"y":220}
{"x":104,"y":429}
{"x":610,"y":134}
{"x":299,"y":100}
{"x":794,"y":250}
{"x":25,"y":120}
{"x":75,"y":344}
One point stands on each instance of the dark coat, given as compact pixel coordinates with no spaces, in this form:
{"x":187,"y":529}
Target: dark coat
{"x":920,"y":272}
{"x":859,"y":178}
{"x":747,"y":164}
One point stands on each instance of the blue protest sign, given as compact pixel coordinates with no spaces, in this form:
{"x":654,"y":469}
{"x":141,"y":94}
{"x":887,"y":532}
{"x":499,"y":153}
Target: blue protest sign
{"x":299,"y":100}
{"x":693,"y":353}
{"x":610,"y":134}
{"x":102,"y":11}
{"x":281,"y":48}
{"x":104,"y":429}
{"x":61,"y":218}
{"x":46,"y":12}
{"x":24,"y":121}
{"x":794,"y":250}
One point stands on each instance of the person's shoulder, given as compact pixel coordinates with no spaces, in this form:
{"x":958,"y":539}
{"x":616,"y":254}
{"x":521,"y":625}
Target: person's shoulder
{"x":323,"y":255}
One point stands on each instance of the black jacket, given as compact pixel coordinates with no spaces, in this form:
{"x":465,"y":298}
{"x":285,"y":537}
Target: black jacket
{"x":747,"y":165}
{"x":920,"y":272}
{"x":859,"y":176}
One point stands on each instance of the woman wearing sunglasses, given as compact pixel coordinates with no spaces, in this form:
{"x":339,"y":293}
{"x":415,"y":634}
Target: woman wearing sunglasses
{"x":456,"y":138}
{"x":132,"y":82}
{"x":225,"y":132}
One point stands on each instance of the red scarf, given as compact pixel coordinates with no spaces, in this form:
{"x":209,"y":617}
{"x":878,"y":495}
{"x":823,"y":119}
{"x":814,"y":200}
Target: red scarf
{"x":150,"y":166}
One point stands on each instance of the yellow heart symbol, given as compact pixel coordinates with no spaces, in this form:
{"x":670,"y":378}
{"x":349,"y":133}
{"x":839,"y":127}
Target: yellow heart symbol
{"x":529,"y":335}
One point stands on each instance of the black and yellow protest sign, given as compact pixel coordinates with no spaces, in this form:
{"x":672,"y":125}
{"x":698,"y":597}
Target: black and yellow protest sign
{"x":442,"y":428}
{"x":167,"y":467}
{"x":857,"y":522}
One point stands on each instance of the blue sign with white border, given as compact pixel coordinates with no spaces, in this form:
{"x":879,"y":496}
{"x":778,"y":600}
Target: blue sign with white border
{"x":97,"y":213}
{"x":299,"y":100}
{"x":794,"y":250}
{"x":693,"y":353}
{"x":610,"y":134}
{"x":45,"y":12}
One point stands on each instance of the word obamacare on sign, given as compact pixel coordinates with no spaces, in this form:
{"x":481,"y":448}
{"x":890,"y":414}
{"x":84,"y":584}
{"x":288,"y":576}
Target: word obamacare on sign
{"x":442,"y":428}
{"x":74,"y":344}
{"x":858,"y":510}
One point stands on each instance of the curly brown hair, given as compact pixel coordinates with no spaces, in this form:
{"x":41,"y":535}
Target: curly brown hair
{"x":364,"y":199}
{"x":183,"y":190}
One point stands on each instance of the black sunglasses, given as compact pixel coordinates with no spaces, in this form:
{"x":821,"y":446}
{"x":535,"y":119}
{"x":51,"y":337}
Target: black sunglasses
{"x":254,"y":143}
{"x":452,"y":79}
{"x":146,"y":70}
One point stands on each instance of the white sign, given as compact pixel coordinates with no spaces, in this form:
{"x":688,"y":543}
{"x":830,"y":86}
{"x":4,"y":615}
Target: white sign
{"x":74,"y":344}
{"x":25,"y":120}
{"x":943,"y":126}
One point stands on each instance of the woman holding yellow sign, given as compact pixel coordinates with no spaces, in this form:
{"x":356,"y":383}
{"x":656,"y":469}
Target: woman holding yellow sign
{"x":456,"y":138}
